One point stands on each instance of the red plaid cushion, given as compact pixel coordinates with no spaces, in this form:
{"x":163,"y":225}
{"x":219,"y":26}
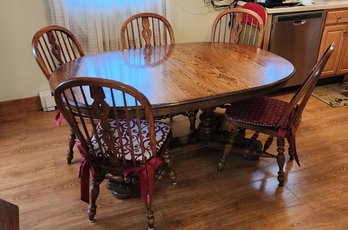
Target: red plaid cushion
{"x":260,"y":111}
{"x":162,"y":131}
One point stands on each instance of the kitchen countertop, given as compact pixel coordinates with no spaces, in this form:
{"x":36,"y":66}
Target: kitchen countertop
{"x":316,"y":5}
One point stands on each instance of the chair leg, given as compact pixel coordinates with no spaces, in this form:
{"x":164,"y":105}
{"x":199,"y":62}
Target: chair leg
{"x":254,"y":136}
{"x":192,"y":119}
{"x":228,"y":147}
{"x":150,"y":218}
{"x":92,"y":207}
{"x":291,"y":150}
{"x":168,"y":158}
{"x":242,"y":132}
{"x":251,"y":155}
{"x":268,"y":143}
{"x":70,"y":154}
{"x":281,"y":160}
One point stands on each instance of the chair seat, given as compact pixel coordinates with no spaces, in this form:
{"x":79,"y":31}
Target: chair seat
{"x":162,"y":131}
{"x":258,"y":111}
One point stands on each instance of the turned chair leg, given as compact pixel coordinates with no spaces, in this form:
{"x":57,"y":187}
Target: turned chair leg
{"x":150,"y":218}
{"x":254,"y":136}
{"x":228,"y":147}
{"x":268,"y":143}
{"x":92,"y":207}
{"x":168,"y":158}
{"x":253,"y":140}
{"x":70,"y":154}
{"x":281,"y":160}
{"x":192,"y":119}
{"x":291,"y":149}
{"x":242,"y":132}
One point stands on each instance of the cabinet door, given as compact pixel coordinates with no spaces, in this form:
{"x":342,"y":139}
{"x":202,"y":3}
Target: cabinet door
{"x":333,"y":33}
{"x":343,"y":63}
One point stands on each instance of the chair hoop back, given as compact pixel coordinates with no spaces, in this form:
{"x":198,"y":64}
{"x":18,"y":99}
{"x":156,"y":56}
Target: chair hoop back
{"x":54,"y":45}
{"x":301,"y":97}
{"x":96,"y":109}
{"x":146,"y":29}
{"x":238,"y":25}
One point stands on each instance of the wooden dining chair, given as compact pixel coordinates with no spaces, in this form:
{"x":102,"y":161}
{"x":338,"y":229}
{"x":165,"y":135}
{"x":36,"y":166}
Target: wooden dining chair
{"x":238,"y":25}
{"x":53,"y":46}
{"x":272,"y":117}
{"x":146,"y":29}
{"x":149,"y":30}
{"x":118,"y":137}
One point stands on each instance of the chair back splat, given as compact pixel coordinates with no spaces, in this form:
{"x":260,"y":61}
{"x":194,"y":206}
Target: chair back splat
{"x":145,"y":30}
{"x":117,"y":135}
{"x":272,"y":117}
{"x":54,"y":45}
{"x":238,"y":25}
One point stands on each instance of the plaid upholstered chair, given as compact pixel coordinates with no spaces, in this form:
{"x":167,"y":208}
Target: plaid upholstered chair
{"x":117,"y":137}
{"x":273,"y":117}
{"x":53,"y":46}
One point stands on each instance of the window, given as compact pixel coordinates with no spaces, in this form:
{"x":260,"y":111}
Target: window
{"x":96,"y":23}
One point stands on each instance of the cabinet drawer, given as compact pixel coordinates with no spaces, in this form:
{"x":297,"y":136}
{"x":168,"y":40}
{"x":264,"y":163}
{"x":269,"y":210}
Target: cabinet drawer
{"x":337,"y":16}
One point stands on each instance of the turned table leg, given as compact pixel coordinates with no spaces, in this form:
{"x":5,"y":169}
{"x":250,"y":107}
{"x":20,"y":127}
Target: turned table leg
{"x":206,"y":127}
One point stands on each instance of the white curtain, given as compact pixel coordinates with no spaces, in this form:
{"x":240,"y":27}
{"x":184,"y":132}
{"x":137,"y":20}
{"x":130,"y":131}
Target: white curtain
{"x":97,"y":23}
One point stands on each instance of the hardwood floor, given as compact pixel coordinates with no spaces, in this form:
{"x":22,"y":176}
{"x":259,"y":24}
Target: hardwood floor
{"x":34,"y":175}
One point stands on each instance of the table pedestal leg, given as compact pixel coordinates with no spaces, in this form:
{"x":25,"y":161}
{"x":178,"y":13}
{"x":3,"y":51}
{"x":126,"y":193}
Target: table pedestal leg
{"x":206,"y":127}
{"x":122,"y":190}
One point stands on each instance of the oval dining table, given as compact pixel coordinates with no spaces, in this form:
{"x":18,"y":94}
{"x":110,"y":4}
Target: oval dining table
{"x":186,"y":77}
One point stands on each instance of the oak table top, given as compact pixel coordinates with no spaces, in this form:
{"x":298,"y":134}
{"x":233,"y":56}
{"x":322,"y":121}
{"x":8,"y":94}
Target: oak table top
{"x":188,"y":76}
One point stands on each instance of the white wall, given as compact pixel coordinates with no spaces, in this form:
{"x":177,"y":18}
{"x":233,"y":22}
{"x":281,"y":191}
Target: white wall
{"x":20,"y":76}
{"x":192,"y":20}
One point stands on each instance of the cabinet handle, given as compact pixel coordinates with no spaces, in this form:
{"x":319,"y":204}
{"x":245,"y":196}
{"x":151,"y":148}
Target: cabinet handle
{"x":339,"y":17}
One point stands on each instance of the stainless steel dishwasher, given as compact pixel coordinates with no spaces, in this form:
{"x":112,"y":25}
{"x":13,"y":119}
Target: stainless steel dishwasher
{"x":296,"y":37}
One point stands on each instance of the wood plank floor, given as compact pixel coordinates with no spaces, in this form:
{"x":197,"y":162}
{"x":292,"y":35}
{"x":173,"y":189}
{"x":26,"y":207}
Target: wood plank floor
{"x":34,"y":175}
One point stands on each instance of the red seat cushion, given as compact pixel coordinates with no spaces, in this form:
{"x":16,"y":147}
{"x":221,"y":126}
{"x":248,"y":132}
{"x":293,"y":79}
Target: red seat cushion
{"x":162,"y":131}
{"x":257,"y":8}
{"x":259,"y":111}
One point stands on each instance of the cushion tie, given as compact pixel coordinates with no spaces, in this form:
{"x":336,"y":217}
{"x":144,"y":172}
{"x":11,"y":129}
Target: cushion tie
{"x":282,"y":133}
{"x":58,"y":119}
{"x":85,"y":167}
{"x":146,"y":172}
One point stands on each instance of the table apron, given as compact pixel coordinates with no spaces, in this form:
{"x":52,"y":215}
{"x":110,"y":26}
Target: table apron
{"x":207,"y":103}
